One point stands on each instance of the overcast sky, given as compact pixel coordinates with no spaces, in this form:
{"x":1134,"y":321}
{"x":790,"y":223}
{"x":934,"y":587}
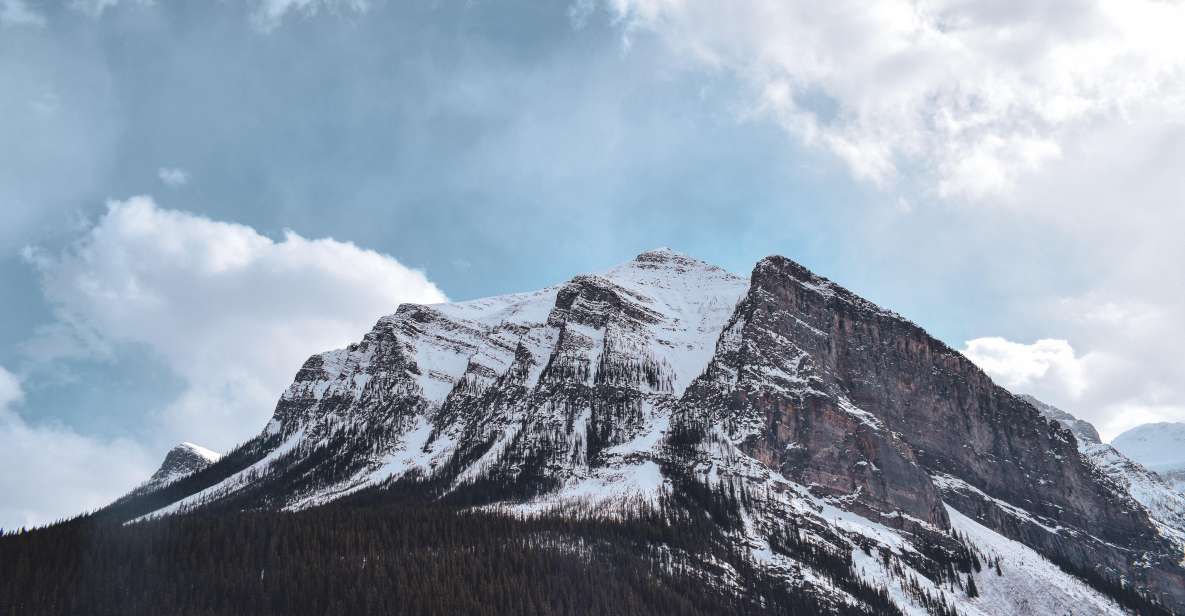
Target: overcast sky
{"x":194,"y":197}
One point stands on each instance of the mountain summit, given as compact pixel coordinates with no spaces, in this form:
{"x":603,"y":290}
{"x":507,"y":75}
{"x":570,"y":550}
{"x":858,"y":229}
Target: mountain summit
{"x":841,"y":451}
{"x":182,"y":460}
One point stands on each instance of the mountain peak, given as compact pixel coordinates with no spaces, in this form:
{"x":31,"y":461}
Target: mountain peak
{"x":662,"y":252}
{"x":182,"y":460}
{"x":208,"y":454}
{"x":666,"y":258}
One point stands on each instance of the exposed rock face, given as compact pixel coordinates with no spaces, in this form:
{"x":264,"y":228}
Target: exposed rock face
{"x":952,"y":418}
{"x":817,"y":406}
{"x":773,"y":387}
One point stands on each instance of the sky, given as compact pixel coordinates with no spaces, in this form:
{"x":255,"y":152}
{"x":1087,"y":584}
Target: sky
{"x":195,"y":197}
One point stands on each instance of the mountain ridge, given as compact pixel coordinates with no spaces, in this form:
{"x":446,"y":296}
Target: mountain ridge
{"x":668,"y":377}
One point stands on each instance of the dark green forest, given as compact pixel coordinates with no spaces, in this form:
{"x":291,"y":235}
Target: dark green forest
{"x":370,"y":555}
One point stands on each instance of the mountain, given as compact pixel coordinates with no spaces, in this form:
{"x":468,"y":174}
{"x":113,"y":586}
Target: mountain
{"x":184,"y":459}
{"x":1158,"y":446}
{"x":774,"y":441}
{"x":1165,"y":504}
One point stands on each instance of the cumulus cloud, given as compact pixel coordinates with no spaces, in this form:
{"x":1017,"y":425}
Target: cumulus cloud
{"x":232,"y":312}
{"x":48,"y":472}
{"x":173,"y":176}
{"x":1043,"y":365}
{"x":1111,"y":391}
{"x":979,"y":96}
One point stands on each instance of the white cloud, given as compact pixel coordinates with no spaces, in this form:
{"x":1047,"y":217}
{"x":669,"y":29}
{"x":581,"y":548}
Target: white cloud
{"x":1041,"y":367}
{"x":17,"y":13}
{"x":173,"y":176}
{"x":977,"y":95}
{"x":1109,"y":390}
{"x":10,"y":389}
{"x":232,"y":312}
{"x":49,"y":472}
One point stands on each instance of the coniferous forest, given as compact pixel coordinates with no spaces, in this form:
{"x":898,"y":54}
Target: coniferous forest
{"x":371,"y":555}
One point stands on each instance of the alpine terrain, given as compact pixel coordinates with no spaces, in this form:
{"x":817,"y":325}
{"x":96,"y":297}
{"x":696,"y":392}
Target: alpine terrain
{"x":662,"y":437}
{"x":1158,"y":446}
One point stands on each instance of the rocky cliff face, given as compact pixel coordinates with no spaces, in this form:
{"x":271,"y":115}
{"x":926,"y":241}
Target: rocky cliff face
{"x":808,"y":420}
{"x":1165,"y":504}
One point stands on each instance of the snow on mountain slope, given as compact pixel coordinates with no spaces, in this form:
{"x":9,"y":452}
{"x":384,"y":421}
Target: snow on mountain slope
{"x":1158,"y":446}
{"x":1165,"y":504}
{"x":1027,"y":583}
{"x":1024,"y":582}
{"x":646,"y":328}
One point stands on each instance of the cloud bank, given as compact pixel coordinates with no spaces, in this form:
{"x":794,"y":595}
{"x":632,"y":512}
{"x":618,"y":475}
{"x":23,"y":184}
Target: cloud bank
{"x":975,"y":96}
{"x":232,"y":312}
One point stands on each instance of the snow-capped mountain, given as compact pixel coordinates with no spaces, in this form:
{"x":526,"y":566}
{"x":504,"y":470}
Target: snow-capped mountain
{"x":182,"y":460}
{"x":1159,"y":447}
{"x":821,"y":432}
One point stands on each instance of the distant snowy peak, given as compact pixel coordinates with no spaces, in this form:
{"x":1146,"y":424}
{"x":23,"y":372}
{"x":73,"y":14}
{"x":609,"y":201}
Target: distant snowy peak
{"x":1158,"y":446}
{"x":182,"y":460}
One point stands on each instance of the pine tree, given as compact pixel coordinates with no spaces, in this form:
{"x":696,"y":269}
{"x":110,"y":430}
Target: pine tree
{"x":972,"y":591}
